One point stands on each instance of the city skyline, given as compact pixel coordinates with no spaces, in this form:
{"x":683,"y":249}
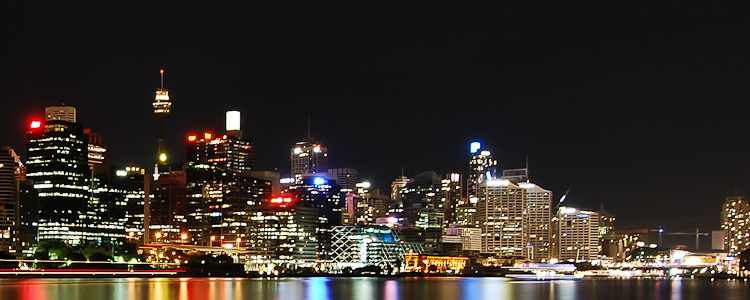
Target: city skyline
{"x":642,"y":152}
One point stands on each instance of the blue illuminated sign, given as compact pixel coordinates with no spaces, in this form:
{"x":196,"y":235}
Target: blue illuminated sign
{"x":474,"y":147}
{"x":319,"y":181}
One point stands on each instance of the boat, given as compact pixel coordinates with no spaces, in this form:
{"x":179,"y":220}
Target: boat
{"x":544,"y":276}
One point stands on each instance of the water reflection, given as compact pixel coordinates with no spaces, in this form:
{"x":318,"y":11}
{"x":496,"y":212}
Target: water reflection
{"x":366,"y":289}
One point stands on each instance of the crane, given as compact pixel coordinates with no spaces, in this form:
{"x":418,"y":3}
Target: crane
{"x":697,"y":235}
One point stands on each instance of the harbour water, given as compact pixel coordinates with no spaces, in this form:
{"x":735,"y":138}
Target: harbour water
{"x":368,"y":288}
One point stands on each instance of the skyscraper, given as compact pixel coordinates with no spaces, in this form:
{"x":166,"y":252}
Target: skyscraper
{"x":397,"y":185}
{"x":346,"y":178}
{"x":57,"y":165}
{"x":452,"y":194}
{"x":423,"y":211}
{"x":501,"y":215}
{"x":422,"y":201}
{"x":167,"y":210}
{"x":575,"y":235}
{"x":538,"y":217}
{"x":482,"y":167}
{"x":162,"y":106}
{"x":283,"y":232}
{"x":735,"y":221}
{"x":129,"y":181}
{"x":220,"y":191}
{"x":369,"y":203}
{"x":10,"y":168}
{"x":308,"y":158}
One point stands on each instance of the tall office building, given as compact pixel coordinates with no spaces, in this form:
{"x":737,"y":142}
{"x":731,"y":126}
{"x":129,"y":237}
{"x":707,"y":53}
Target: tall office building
{"x":220,"y":191}
{"x":309,"y":158}
{"x":167,"y":210}
{"x":396,"y":186}
{"x":162,"y":106}
{"x":422,"y":201}
{"x":538,"y":217}
{"x":501,"y":215}
{"x":452,"y":194}
{"x":10,"y":180}
{"x":273,"y":176}
{"x":57,"y":164}
{"x":575,"y":235}
{"x":482,"y":167}
{"x":129,"y":181}
{"x":369,"y":204}
{"x":422,"y":215}
{"x":346,"y":178}
{"x":70,"y":207}
{"x":284,"y":233}
{"x":735,"y":221}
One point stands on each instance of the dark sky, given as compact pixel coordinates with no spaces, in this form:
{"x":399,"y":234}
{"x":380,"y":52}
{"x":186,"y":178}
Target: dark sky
{"x":641,"y":108}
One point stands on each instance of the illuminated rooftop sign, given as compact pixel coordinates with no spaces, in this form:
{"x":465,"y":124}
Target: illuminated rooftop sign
{"x":474,"y":147}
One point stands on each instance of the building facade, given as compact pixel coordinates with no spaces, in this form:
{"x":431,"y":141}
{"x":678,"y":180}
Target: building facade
{"x":168,"y":208}
{"x":220,"y":192}
{"x":369,"y":204}
{"x":452,"y":193}
{"x":129,"y":181}
{"x":396,"y":186}
{"x":575,"y":235}
{"x":283,"y":234}
{"x":355,"y":247}
{"x":482,"y":167}
{"x":501,"y":215}
{"x":735,"y":221}
{"x":346,"y":178}
{"x":308,"y":158}
{"x":538,"y":218}
{"x":10,"y":181}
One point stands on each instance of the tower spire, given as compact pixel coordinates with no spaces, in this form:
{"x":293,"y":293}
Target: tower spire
{"x":161,"y":74}
{"x":308,"y":127}
{"x":528,"y":173}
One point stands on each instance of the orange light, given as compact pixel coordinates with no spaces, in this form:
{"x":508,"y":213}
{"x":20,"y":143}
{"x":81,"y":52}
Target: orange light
{"x":192,"y":138}
{"x":35,"y":124}
{"x":282,"y":200}
{"x":207,"y":135}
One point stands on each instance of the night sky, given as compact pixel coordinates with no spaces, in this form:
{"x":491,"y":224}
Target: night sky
{"x":643,"y":109}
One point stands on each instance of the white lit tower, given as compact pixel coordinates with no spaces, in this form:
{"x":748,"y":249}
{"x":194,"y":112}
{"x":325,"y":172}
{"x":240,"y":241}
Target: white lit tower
{"x":162,"y":109}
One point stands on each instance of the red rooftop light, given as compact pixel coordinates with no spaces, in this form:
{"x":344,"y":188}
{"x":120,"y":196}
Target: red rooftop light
{"x":207,"y":135}
{"x":192,"y":138}
{"x":35,"y":124}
